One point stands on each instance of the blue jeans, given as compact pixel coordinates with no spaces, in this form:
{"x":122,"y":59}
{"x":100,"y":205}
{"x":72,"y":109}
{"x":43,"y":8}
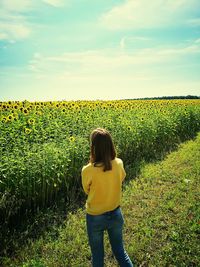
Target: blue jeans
{"x":111,"y":221}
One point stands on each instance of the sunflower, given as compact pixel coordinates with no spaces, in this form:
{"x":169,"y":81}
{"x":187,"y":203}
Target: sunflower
{"x":4,"y":119}
{"x":15,"y":106}
{"x":31,"y":121}
{"x":15,"y":115}
{"x":38,"y":113}
{"x":27,"y":130}
{"x":25,"y":111}
{"x":10,"y":117}
{"x":71,"y":139}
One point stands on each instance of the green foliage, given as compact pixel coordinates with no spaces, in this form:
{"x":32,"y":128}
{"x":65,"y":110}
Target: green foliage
{"x":161,"y":209}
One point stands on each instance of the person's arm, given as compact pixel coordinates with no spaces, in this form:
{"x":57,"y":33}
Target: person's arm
{"x":123,"y":171}
{"x":86,"y":180}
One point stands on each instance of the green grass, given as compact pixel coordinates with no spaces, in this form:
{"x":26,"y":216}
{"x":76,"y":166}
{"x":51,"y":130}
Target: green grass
{"x":161,"y":208}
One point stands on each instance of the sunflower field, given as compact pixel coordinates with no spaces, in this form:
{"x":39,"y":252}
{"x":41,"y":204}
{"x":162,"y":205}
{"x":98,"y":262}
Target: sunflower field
{"x":45,"y":144}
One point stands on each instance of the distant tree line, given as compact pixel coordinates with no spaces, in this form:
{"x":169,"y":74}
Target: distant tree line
{"x":171,"y":97}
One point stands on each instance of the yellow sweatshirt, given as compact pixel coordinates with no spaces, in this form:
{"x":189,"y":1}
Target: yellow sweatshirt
{"x":103,"y":188}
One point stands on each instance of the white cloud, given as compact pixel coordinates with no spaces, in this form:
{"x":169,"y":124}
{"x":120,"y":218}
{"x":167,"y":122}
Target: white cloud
{"x":122,"y":43}
{"x":37,"y":55}
{"x":147,"y":14}
{"x":55,"y":3}
{"x":127,"y":41}
{"x":13,"y":24}
{"x":112,"y":61}
{"x":109,"y":74}
{"x":16,"y":5}
{"x":11,"y":31}
{"x":3,"y":35}
{"x":193,"y":22}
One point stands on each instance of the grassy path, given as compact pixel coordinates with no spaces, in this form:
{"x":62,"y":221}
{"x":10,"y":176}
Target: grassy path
{"x":161,"y":208}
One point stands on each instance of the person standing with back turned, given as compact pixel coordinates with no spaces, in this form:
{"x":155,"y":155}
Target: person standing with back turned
{"x":102,"y":181}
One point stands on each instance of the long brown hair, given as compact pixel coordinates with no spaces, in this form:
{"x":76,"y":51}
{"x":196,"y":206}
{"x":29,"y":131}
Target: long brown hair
{"x":102,"y":149}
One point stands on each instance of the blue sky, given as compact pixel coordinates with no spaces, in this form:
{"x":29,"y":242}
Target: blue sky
{"x":101,"y":49}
